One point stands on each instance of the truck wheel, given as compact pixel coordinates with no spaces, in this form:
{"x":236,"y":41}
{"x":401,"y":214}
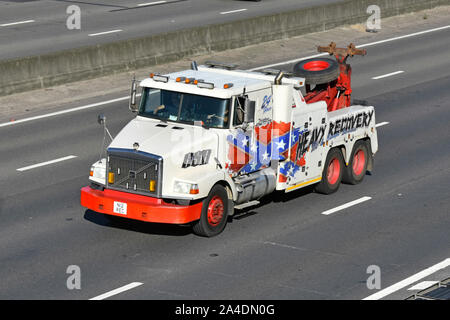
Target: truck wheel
{"x":356,"y":170}
{"x":332,"y":172}
{"x":214,"y":213}
{"x":317,"y":70}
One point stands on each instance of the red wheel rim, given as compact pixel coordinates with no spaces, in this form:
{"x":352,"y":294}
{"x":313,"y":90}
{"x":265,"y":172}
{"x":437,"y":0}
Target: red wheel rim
{"x":333,"y":171}
{"x":316,"y":65}
{"x":359,"y":161}
{"x":215,"y":211}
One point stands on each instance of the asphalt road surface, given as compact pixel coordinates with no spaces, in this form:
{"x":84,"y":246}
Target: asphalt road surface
{"x":283,"y":249}
{"x":40,"y":26}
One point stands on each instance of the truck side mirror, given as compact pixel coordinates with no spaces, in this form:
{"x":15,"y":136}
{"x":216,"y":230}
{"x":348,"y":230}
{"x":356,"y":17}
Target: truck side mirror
{"x":249,"y":115}
{"x":133,"y":105}
{"x":101,"y":119}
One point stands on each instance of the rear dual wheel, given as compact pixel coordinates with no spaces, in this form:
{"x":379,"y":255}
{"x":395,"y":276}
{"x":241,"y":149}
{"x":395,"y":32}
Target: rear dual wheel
{"x":356,"y":170}
{"x":335,"y":171}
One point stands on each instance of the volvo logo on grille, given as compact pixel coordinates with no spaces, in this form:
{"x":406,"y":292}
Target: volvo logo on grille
{"x":132,"y":174}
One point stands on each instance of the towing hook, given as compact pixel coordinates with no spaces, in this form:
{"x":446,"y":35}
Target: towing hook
{"x":351,"y":50}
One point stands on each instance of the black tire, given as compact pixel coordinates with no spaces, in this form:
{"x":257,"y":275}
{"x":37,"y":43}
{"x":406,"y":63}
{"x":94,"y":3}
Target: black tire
{"x":212,"y":222}
{"x":317,"y":70}
{"x":357,"y":166}
{"x":331,"y":180}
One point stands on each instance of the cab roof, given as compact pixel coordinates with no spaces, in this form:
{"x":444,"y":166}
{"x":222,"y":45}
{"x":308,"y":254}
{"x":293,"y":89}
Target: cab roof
{"x":237,"y":80}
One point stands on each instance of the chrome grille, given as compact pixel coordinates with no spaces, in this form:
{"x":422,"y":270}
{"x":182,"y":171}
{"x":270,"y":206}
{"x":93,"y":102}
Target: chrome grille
{"x":133,"y":171}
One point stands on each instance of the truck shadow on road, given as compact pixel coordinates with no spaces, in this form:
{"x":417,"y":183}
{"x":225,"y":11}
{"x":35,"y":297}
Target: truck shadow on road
{"x":275,"y":197}
{"x":183,"y":230}
{"x":135,"y":225}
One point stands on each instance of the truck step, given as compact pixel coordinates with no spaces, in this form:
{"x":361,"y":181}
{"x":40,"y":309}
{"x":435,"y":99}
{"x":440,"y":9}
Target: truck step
{"x":246,"y":204}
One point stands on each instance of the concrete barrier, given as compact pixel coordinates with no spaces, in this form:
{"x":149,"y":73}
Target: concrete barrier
{"x":17,"y":75}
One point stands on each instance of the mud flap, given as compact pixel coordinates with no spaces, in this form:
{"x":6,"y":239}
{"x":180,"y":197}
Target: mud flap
{"x":230,"y":207}
{"x":369,"y":169}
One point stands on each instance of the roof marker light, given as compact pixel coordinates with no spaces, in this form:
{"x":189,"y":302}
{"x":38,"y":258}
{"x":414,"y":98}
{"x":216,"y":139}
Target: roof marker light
{"x":206,"y":85}
{"x":160,"y":78}
{"x":227,"y":85}
{"x":180,"y":79}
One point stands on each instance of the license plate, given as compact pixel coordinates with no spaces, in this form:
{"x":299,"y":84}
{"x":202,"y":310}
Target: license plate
{"x":120,"y":207}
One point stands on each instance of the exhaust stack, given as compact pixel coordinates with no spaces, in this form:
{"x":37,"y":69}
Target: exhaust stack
{"x":278,"y":78}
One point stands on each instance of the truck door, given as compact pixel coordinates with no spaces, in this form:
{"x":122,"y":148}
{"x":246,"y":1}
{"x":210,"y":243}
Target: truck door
{"x":249,"y":143}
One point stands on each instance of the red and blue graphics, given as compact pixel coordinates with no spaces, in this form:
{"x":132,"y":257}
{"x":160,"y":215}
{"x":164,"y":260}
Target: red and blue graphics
{"x":273,"y":141}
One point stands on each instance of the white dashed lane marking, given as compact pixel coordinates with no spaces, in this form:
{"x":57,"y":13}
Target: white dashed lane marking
{"x":105,"y":32}
{"x":16,"y":23}
{"x":46,"y":163}
{"x":233,"y":11}
{"x":388,"y":75}
{"x":117,"y":291}
{"x":346,"y":205}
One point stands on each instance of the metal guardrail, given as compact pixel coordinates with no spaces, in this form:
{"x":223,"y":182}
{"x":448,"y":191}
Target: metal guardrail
{"x":438,"y":291}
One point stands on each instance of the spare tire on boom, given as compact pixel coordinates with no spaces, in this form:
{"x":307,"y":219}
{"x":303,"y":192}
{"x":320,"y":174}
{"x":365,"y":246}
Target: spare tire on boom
{"x":317,"y":70}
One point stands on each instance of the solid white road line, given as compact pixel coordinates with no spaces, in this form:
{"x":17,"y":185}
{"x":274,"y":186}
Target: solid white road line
{"x":45,"y":163}
{"x":150,"y":3}
{"x":408,"y":281}
{"x":117,"y":291}
{"x":423,"y":285}
{"x":358,"y":46}
{"x":233,"y":11}
{"x":387,"y":75}
{"x":404,"y":36}
{"x":346,"y":205}
{"x":63,"y":111}
{"x":15,"y":23}
{"x":381,"y":124}
{"x":102,"y":33}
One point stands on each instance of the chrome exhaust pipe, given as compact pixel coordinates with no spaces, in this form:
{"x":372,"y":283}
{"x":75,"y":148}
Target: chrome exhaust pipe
{"x":278,"y":78}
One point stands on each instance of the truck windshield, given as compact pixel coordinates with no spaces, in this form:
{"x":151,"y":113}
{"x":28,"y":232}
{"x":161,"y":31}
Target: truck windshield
{"x":184,"y":107}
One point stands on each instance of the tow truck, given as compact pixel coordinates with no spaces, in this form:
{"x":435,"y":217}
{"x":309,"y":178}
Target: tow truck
{"x":212,"y":139}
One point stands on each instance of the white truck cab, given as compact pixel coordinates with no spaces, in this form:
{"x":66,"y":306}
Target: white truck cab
{"x":211,"y":139}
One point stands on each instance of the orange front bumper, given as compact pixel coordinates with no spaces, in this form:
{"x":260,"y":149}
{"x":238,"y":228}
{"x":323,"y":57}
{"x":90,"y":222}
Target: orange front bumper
{"x":139,"y":207}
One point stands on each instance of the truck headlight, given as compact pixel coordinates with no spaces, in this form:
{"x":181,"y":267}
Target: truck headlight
{"x":185,"y":187}
{"x":98,"y":172}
